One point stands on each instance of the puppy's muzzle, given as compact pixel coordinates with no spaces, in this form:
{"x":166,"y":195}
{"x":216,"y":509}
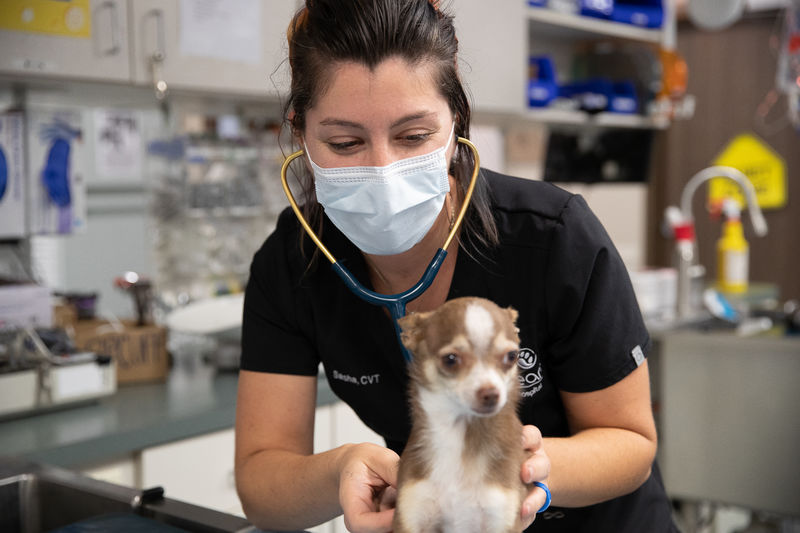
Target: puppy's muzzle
{"x":487,"y":400}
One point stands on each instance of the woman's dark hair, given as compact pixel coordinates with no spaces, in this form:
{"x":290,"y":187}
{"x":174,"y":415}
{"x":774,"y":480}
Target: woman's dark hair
{"x":369,"y":31}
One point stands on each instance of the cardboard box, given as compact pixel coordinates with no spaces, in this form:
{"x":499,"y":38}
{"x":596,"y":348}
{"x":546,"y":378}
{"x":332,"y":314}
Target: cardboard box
{"x":140,"y":352}
{"x":65,"y":316}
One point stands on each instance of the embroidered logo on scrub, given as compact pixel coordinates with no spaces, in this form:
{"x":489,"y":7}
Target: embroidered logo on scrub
{"x":530,"y":372}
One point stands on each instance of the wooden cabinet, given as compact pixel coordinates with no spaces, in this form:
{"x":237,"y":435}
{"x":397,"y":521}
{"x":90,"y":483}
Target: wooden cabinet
{"x":162,"y":54}
{"x":79,"y":43}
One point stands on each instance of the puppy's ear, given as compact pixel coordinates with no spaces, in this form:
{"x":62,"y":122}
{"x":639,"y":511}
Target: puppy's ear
{"x":512,"y":314}
{"x":411,"y":329}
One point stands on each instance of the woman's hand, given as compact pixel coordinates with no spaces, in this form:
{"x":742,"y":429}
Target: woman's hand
{"x":535,"y":468}
{"x":367,"y":488}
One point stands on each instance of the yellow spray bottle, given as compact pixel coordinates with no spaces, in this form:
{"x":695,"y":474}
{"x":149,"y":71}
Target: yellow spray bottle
{"x":733,"y":252}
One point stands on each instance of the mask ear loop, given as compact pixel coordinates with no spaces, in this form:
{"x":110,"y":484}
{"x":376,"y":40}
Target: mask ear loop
{"x":394,"y":303}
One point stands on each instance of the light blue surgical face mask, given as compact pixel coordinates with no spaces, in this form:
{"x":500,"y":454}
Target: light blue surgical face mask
{"x":385,"y":210}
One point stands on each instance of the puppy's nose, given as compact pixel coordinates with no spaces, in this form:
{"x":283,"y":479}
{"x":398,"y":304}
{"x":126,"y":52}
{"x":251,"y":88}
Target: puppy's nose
{"x":488,"y":396}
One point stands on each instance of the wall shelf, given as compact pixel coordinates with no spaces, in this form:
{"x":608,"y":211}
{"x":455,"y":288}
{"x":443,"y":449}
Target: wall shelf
{"x":545,"y":22}
{"x":607,"y":120}
{"x":565,"y":117}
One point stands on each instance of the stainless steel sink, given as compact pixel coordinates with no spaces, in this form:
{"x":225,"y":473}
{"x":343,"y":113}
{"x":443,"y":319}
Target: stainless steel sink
{"x":37,"y":498}
{"x":32,"y":502}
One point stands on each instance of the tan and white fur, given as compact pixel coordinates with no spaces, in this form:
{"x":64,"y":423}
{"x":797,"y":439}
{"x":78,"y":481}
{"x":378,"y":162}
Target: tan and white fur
{"x":460,"y":471}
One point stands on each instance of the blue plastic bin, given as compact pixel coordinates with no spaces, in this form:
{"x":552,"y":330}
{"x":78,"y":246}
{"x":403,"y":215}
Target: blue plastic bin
{"x":542,"y":87}
{"x":597,"y":8}
{"x":643,"y":13}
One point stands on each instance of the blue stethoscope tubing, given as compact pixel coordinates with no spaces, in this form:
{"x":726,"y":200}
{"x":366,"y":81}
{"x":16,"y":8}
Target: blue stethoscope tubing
{"x":394,"y":303}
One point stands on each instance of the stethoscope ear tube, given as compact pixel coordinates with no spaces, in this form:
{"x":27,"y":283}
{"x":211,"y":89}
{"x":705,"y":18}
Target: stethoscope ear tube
{"x":296,"y":209}
{"x":470,"y":189}
{"x":394,"y":303}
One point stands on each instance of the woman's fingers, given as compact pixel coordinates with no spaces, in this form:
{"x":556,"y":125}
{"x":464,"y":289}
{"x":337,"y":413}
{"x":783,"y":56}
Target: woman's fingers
{"x":366,"y":485}
{"x":536,"y":499}
{"x":531,"y":438}
{"x":537,"y":466}
{"x":535,"y":469}
{"x":369,"y":521}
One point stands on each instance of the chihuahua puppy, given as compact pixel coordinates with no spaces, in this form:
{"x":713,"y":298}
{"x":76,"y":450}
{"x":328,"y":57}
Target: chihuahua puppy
{"x":460,"y":471}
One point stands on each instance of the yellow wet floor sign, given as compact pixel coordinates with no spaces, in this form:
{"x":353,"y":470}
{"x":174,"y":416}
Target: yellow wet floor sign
{"x":66,"y":18}
{"x":764,"y":168}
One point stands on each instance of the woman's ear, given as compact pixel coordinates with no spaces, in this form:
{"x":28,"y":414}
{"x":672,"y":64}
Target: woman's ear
{"x":296,"y":134}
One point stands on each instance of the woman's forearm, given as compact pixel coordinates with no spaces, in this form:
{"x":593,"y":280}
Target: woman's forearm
{"x":285,"y":490}
{"x":597,"y":464}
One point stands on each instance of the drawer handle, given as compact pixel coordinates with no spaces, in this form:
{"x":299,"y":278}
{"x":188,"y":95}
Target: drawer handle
{"x":151,"y":495}
{"x":114,"y":24}
{"x":158,"y":55}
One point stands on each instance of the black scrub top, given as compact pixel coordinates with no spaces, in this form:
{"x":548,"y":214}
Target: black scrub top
{"x":580,"y":326}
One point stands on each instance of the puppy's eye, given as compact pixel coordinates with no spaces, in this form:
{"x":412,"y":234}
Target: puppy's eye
{"x":450,"y":360}
{"x":510,"y":357}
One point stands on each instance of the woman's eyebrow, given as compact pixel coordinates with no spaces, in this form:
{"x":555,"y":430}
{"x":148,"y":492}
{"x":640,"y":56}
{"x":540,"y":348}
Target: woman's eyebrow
{"x":341,"y":122}
{"x":332,"y":121}
{"x":411,"y":117}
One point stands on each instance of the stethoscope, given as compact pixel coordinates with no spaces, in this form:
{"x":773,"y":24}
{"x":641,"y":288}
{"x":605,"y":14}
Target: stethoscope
{"x":394,"y":303}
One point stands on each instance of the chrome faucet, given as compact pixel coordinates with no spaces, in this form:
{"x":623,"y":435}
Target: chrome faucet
{"x":682,"y":223}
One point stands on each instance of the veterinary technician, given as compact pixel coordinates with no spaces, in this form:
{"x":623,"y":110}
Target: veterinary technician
{"x":377,"y":106}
